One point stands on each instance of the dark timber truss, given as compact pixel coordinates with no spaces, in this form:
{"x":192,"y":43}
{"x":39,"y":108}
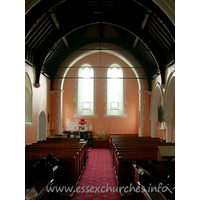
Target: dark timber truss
{"x":56,"y":28}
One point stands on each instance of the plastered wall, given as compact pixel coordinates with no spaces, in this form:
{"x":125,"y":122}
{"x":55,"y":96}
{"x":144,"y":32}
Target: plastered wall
{"x":113,"y":125}
{"x":41,"y":101}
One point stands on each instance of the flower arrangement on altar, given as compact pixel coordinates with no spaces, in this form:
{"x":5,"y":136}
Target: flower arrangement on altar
{"x":82,"y":122}
{"x":82,"y":125}
{"x":101,"y":134}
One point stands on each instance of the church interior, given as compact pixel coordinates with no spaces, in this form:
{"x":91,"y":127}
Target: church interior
{"x":99,"y":96}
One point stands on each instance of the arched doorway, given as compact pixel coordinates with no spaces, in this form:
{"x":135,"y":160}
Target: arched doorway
{"x":42,"y":126}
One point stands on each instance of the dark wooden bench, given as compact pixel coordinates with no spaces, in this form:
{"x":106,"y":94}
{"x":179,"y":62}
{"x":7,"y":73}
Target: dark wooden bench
{"x":65,"y":142}
{"x":43,"y":171}
{"x":155,"y":174}
{"x":56,"y":140}
{"x":129,"y":140}
{"x":126,"y":149}
{"x":67,"y":173}
{"x":81,"y":147}
{"x":81,"y":157}
{"x":39,"y":191}
{"x":72,"y":158}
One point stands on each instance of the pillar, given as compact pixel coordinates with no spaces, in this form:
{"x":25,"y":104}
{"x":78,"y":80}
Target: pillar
{"x":153,"y":128}
{"x":144,"y":113}
{"x":169,"y":131}
{"x":58,"y":110}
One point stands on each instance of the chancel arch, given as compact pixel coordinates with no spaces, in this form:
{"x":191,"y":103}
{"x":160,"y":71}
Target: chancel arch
{"x":132,"y":63}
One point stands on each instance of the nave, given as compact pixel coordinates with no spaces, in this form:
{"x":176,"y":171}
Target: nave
{"x":124,"y":171}
{"x":98,"y":173}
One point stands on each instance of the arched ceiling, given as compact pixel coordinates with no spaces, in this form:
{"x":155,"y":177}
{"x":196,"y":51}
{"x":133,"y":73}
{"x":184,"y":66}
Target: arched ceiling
{"x":56,"y":28}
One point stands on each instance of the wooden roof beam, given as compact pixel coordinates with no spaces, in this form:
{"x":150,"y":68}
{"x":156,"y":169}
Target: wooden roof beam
{"x":65,"y":41}
{"x":55,"y":20}
{"x":142,"y":27}
{"x":145,"y":21}
{"x":58,"y":27}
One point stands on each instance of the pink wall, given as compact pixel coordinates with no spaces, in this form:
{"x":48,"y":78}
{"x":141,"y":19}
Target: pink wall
{"x":54,"y":113}
{"x":41,"y":102}
{"x":128,"y":125}
{"x":146,"y":113}
{"x":47,"y":101}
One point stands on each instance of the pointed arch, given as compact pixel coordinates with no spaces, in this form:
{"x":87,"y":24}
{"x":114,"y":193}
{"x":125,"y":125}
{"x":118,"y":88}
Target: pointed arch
{"x":124,"y":56}
{"x":63,"y":72}
{"x":157,"y":94}
{"x":168,"y":105}
{"x":169,"y":97}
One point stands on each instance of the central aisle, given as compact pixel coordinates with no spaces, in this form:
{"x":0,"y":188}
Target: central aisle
{"x":98,"y":180}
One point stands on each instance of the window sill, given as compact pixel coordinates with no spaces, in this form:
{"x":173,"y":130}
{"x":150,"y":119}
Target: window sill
{"x":115,"y":116}
{"x":28,"y":124}
{"x":85,"y":116}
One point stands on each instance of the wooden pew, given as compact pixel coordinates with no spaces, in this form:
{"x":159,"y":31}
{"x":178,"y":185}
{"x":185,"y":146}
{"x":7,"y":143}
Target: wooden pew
{"x":58,"y":151}
{"x":134,"y":148}
{"x":67,"y":142}
{"x":131,"y":148}
{"x":44,"y":174}
{"x":81,"y":147}
{"x":60,"y":155}
{"x":125,"y":174}
{"x":153,"y":175}
{"x":61,"y":150}
{"x":146,"y":148}
{"x":134,"y":154}
{"x":56,"y":140}
{"x":67,"y":173}
{"x":118,"y":142}
{"x":72,"y":157}
{"x":39,"y":191}
{"x":129,"y":140}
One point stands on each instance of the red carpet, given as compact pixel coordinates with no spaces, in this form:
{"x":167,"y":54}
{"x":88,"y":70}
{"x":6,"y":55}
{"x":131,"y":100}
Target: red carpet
{"x":98,"y":180}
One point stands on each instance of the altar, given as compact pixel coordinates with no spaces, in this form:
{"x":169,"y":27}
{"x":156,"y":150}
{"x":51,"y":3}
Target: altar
{"x":86,"y":135}
{"x":100,"y":143}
